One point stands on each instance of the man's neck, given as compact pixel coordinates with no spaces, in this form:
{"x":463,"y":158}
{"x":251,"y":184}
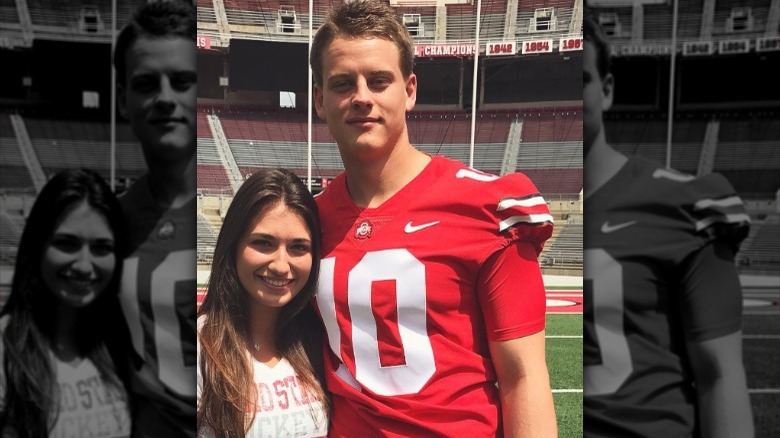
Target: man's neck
{"x":173,"y":184}
{"x":373,"y":182}
{"x":602,"y":162}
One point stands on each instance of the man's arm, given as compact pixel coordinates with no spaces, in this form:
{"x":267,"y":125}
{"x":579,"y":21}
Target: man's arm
{"x":713,"y":309}
{"x":721,"y":387}
{"x":524,"y":387}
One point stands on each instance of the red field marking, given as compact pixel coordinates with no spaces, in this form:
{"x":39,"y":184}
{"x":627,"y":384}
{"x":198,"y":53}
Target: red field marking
{"x":564,"y":301}
{"x":201,"y":296}
{"x":558,"y":301}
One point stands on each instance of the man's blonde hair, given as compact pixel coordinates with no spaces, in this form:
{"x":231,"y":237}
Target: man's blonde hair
{"x":362,"y":19}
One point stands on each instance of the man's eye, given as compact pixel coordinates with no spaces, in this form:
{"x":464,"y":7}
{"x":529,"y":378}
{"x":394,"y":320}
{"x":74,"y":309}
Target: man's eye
{"x":184,"y":81}
{"x":341,"y":85}
{"x":382,"y":82}
{"x":144,"y":84}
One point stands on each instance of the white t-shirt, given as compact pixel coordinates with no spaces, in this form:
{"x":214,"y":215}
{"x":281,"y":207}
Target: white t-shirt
{"x":284,"y":408}
{"x":88,"y":407}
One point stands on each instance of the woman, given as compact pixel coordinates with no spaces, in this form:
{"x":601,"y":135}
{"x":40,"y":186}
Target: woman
{"x":62,"y":356}
{"x":260,"y":339}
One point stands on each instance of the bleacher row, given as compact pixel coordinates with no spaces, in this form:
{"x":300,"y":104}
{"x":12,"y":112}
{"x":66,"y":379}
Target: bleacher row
{"x":75,"y":20}
{"x":547,"y":141}
{"x":656,"y":20}
{"x":755,"y":174}
{"x":66,"y":144}
{"x":260,"y":19}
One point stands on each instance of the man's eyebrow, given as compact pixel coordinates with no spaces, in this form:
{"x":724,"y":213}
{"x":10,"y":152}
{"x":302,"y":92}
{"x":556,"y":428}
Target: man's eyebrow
{"x":339,"y":76}
{"x":381,"y":72}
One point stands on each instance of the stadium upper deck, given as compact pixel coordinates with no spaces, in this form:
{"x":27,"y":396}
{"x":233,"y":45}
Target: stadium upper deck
{"x":453,"y":21}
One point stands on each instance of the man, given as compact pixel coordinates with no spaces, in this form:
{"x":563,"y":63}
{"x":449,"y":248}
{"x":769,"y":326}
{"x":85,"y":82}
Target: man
{"x":430,"y":288}
{"x":156,"y":70}
{"x":662,"y":344}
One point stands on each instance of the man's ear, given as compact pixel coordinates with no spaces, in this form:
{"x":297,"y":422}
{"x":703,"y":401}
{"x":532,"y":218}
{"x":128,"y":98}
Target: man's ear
{"x":121,"y":100}
{"x":319,"y":102}
{"x":607,"y":91}
{"x":411,"y":92}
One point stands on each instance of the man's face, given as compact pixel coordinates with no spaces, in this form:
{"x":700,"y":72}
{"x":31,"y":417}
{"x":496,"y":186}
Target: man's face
{"x":159,"y":96}
{"x":364,"y":96}
{"x":596,"y":95}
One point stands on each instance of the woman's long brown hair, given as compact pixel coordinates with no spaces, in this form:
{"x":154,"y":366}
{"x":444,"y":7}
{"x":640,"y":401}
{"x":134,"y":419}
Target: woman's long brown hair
{"x":228,"y":389}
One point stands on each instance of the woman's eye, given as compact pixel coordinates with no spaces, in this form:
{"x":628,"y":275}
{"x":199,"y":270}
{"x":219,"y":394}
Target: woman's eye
{"x":301,"y":249}
{"x":66,"y":245}
{"x":103,"y":249}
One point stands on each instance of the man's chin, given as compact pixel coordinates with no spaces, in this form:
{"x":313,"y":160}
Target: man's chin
{"x":171,"y":149}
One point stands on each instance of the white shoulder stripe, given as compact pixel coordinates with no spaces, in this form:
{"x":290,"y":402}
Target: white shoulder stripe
{"x":674,"y":176}
{"x":532,"y":219}
{"x":475,"y":175}
{"x":725,"y":202}
{"x":528,"y":202}
{"x":726,"y":219}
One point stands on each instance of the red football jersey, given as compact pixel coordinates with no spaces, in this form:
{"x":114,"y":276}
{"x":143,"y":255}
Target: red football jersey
{"x":158,"y":300}
{"x":644,"y":299}
{"x":405,"y":300}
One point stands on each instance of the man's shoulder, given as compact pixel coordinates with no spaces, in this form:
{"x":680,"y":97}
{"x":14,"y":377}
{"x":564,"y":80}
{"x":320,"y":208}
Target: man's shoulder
{"x":708,"y":203}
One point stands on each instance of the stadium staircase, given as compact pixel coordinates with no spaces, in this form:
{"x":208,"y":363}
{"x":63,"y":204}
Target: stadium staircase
{"x":709,"y":148}
{"x":27,"y":152}
{"x":225,"y":155}
{"x":773,"y":21}
{"x":222,"y":23}
{"x":509,"y":164}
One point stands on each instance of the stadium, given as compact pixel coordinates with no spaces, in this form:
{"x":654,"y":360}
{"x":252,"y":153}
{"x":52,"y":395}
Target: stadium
{"x":526,"y":117}
{"x":522,"y":113}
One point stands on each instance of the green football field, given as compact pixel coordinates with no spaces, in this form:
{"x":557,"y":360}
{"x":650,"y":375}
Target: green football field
{"x":564,"y":362}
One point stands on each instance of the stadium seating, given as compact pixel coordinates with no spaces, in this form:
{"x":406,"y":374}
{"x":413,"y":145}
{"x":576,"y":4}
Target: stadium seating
{"x":761,"y":250}
{"x":566,"y":249}
{"x":65,"y":144}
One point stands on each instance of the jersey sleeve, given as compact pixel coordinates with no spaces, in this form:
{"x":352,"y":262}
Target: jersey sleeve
{"x":716,"y":211}
{"x":712,"y":294}
{"x":518,"y":211}
{"x":511,"y":293}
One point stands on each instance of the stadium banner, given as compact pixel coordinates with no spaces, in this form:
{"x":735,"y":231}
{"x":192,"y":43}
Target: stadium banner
{"x":569,"y":44}
{"x":204,"y":42}
{"x":641,"y":50}
{"x":316,"y":182}
{"x":537,"y":46}
{"x":499,"y":48}
{"x":768,"y":44}
{"x":698,"y":48}
{"x":444,"y":50}
{"x":728,"y":47}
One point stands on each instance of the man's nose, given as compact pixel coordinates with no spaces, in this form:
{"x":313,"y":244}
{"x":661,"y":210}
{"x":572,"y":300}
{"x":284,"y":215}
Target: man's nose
{"x":362,"y":97}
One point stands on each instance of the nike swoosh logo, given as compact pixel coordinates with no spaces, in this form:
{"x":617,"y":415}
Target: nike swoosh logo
{"x":606,"y":228}
{"x":409,"y":228}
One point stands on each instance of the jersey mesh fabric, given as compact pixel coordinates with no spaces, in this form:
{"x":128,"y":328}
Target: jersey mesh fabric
{"x":399,"y":293}
{"x":642,"y":227}
{"x":158,"y":300}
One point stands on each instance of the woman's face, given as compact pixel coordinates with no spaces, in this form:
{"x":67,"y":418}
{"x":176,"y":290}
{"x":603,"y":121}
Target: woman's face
{"x":78,"y":259}
{"x":274,"y":257}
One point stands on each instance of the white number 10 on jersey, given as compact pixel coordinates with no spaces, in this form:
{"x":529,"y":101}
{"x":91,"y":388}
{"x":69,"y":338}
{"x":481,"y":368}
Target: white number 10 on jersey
{"x":409,"y":275}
